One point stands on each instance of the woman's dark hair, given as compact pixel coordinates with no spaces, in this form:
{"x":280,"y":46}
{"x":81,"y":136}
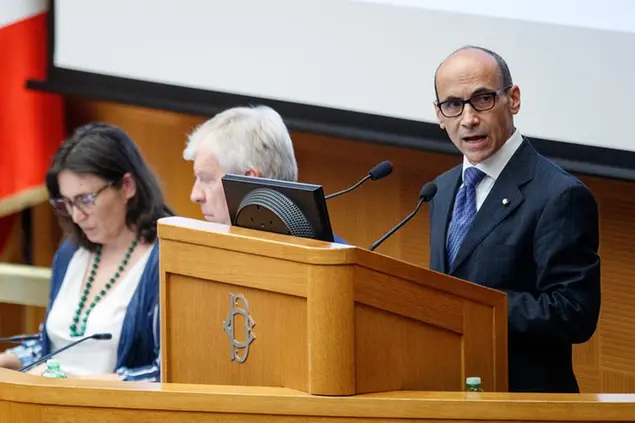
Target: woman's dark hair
{"x":108,"y":152}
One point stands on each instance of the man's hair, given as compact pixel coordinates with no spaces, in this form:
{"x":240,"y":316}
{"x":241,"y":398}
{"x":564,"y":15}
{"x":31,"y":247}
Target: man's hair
{"x":108,"y":152}
{"x":506,"y":75}
{"x":244,"y":138}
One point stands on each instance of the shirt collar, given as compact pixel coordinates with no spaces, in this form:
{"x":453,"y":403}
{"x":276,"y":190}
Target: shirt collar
{"x":494,"y":165}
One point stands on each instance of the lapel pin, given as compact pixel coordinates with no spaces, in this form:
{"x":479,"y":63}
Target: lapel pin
{"x":505,"y":202}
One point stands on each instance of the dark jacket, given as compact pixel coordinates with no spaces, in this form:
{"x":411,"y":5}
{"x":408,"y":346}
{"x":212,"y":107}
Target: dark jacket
{"x":541,"y":249}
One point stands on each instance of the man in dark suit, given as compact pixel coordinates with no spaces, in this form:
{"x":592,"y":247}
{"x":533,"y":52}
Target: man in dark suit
{"x":510,"y":219}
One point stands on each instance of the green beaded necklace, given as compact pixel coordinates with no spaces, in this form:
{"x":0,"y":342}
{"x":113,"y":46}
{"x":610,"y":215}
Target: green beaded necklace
{"x":89,"y":283}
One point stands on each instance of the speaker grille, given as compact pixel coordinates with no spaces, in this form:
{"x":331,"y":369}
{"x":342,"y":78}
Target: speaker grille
{"x":277,"y":203}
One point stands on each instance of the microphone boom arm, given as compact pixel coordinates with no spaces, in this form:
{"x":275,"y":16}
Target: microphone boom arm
{"x":380,"y":171}
{"x":18,"y":339}
{"x":337,"y":194}
{"x":403,"y":222}
{"x":97,"y":336}
{"x":428,"y":191}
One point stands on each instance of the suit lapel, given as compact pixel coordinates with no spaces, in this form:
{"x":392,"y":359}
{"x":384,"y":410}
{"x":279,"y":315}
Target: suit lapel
{"x":443,"y":202}
{"x":495,"y":209}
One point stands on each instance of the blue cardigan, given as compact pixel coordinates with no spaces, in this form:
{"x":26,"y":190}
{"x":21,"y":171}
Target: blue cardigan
{"x":138,"y":349}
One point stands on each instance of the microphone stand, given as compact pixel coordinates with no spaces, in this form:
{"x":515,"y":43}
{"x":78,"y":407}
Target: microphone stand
{"x":347,"y":189}
{"x":403,"y":222}
{"x":97,"y":336}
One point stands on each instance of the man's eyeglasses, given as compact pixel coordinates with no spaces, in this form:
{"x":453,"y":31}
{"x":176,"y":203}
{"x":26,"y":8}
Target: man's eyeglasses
{"x":480,"y":102}
{"x":84,"y":202}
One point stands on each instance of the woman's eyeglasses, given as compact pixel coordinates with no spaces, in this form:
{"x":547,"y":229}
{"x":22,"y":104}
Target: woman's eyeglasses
{"x":83,"y":202}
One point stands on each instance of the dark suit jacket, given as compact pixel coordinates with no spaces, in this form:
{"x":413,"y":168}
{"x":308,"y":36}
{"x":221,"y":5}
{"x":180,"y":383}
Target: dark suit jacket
{"x":541,"y":250}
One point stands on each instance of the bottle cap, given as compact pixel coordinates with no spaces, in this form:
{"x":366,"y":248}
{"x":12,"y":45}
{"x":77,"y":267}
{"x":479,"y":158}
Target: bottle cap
{"x":52,"y":363}
{"x":473,"y":381}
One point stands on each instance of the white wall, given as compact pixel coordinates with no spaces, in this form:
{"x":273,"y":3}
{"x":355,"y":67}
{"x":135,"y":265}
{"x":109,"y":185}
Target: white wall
{"x":374,"y":56}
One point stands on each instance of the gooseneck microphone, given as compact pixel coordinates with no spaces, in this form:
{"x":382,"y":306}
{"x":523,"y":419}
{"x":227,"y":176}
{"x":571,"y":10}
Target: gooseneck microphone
{"x":96,"y":336}
{"x":426,"y":194}
{"x":18,"y":339}
{"x":382,"y":170}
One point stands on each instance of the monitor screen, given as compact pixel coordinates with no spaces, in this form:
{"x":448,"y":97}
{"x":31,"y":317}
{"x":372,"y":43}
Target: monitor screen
{"x":291,"y":208}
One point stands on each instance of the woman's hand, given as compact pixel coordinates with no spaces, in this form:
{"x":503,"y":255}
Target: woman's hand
{"x":10,"y":361}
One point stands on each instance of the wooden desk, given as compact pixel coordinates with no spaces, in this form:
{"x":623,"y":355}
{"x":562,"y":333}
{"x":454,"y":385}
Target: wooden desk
{"x":25,"y":398}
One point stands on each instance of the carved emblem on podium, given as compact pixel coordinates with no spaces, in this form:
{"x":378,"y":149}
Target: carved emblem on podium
{"x":239,"y":347}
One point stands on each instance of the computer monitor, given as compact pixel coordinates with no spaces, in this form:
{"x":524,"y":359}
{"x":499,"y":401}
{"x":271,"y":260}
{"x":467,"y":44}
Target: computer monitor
{"x":290,"y":208}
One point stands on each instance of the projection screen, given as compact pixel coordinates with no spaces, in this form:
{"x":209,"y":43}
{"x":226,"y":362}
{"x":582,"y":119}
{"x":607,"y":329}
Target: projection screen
{"x":362,"y":69}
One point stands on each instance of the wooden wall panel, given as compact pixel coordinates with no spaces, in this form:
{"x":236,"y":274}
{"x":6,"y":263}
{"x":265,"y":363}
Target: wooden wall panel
{"x":161,"y":138}
{"x":15,"y":318}
{"x":11,"y":315}
{"x":604,"y":364}
{"x":364,"y":215}
{"x":45,"y":238}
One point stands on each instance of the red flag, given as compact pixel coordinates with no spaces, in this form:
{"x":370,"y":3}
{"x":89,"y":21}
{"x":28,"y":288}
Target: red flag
{"x":31,"y":122}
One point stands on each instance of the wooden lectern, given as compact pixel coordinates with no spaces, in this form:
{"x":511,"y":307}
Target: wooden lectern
{"x":250,"y":308}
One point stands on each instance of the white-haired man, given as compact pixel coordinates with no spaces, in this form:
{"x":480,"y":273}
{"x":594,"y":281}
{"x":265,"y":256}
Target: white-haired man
{"x":252,"y":141}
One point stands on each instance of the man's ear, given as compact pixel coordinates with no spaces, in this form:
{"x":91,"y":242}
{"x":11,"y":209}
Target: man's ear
{"x":253,"y":172}
{"x":439,"y":115}
{"x":128,"y":185}
{"x":514,"y":99}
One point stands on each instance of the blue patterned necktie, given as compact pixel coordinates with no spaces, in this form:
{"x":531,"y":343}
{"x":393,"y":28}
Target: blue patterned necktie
{"x":464,"y":211}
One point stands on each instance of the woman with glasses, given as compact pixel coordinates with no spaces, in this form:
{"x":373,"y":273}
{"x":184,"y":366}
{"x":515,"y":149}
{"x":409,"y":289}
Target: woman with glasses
{"x":105,"y":275}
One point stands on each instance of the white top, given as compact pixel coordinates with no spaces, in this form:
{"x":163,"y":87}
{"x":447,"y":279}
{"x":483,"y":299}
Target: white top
{"x":493,"y":166}
{"x":91,"y":356}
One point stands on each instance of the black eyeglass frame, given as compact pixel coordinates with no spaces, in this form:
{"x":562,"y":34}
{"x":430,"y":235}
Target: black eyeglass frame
{"x":495,"y":95}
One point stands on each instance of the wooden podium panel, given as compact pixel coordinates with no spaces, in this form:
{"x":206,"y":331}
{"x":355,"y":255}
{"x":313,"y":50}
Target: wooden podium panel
{"x":325,"y":318}
{"x":33,"y":399}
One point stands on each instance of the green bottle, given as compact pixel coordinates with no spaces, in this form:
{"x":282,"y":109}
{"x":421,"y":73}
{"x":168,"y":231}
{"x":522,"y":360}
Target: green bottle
{"x":473,"y":384}
{"x":53,"y":370}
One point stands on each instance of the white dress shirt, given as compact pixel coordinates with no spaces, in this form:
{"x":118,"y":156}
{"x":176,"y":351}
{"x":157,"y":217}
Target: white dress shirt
{"x":493,"y":166}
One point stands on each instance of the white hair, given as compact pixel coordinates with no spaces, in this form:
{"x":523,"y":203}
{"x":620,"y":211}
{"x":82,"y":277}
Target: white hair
{"x":244,"y":138}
